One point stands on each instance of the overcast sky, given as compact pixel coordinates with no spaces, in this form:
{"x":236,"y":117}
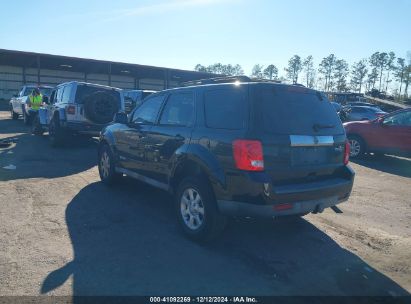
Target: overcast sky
{"x":182,"y":33}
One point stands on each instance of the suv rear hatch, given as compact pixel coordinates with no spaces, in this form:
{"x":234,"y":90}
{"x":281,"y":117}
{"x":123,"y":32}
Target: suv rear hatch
{"x":97,"y":104}
{"x":302,"y":137}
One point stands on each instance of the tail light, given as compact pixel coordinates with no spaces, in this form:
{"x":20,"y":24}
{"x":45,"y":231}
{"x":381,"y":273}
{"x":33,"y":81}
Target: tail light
{"x":71,"y":110}
{"x":281,"y":207}
{"x":347,"y":153}
{"x":248,"y":155}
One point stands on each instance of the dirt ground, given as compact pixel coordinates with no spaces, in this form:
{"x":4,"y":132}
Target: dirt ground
{"x":64,"y":233}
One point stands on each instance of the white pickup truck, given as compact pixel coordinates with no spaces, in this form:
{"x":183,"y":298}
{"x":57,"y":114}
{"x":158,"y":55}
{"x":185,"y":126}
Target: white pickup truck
{"x":18,"y":102}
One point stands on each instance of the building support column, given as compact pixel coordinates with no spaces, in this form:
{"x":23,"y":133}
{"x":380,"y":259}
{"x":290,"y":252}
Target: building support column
{"x":109,"y":73}
{"x":38,"y":70}
{"x":166,"y":84}
{"x":24,"y":75}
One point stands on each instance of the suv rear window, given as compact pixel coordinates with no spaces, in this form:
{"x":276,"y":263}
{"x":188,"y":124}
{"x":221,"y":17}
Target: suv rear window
{"x":83,"y":91}
{"x":296,"y":111}
{"x":225,"y":108}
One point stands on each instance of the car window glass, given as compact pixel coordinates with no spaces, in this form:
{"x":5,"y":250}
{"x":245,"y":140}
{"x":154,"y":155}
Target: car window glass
{"x":27,"y":91}
{"x":59,"y":93}
{"x":400,"y":119}
{"x":66,"y":94}
{"x":358,"y":110}
{"x":225,"y":109}
{"x":148,"y":111}
{"x":295,"y":110}
{"x":179,"y":110}
{"x":52,"y":97}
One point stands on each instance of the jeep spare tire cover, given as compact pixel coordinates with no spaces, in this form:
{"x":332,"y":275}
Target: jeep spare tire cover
{"x":100,"y":107}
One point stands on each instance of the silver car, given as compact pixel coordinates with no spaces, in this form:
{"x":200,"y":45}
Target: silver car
{"x":362,"y":113}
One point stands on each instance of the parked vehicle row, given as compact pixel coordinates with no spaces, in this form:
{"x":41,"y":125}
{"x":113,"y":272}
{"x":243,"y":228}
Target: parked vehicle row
{"x":248,"y":149}
{"x":360,"y":113}
{"x":73,"y":108}
{"x":379,"y":94}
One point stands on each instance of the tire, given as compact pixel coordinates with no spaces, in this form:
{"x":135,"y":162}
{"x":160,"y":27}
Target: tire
{"x":100,"y":107}
{"x":13,"y":114}
{"x":357,"y":146}
{"x":197,"y":210}
{"x":56,"y":133}
{"x":106,"y":166}
{"x":36,"y":127}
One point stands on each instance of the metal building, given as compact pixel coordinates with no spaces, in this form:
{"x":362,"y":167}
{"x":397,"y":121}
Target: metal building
{"x":18,"y":68}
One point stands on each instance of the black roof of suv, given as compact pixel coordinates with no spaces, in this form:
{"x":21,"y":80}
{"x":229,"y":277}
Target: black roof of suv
{"x":245,"y":148}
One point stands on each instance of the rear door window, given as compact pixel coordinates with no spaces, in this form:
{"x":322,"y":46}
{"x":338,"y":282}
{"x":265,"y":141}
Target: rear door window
{"x":296,"y":111}
{"x":226,"y":108}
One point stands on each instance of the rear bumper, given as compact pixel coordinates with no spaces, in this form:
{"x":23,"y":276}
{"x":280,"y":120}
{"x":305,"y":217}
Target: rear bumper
{"x":269,"y":200}
{"x":232,"y":208}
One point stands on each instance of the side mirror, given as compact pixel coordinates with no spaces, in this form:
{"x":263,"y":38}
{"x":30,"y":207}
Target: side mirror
{"x":15,"y":95}
{"x":45,"y":99}
{"x":121,"y":118}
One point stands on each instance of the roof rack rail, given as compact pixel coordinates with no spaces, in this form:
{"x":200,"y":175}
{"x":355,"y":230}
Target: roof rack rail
{"x":223,"y":79}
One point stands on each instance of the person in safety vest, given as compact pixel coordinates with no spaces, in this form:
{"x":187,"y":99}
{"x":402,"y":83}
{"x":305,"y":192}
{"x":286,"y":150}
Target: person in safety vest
{"x":35,"y":99}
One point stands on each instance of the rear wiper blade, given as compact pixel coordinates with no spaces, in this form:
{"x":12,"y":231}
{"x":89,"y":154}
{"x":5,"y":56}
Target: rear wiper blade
{"x":317,"y":127}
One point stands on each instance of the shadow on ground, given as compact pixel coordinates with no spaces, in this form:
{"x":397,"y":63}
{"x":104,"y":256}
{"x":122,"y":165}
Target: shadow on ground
{"x":34,"y":157}
{"x":126,"y":242}
{"x":386,"y":163}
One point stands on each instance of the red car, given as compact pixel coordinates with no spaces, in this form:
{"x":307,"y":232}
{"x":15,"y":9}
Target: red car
{"x":389,"y":134}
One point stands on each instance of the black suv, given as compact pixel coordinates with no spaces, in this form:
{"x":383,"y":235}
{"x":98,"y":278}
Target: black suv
{"x":252,"y":149}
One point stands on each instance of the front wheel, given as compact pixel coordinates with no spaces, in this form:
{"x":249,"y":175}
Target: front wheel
{"x":357,"y":146}
{"x":13,"y":114}
{"x":106,"y":166}
{"x":197,"y":210}
{"x":56,"y":133}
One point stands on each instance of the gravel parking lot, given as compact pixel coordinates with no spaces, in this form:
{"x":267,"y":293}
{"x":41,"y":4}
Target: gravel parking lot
{"x":64,"y":233}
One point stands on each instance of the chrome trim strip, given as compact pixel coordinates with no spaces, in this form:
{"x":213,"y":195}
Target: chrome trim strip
{"x":143,"y":178}
{"x":310,"y":141}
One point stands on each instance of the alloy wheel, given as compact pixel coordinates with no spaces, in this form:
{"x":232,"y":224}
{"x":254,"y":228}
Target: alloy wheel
{"x":192,"y":209}
{"x":355,"y":147}
{"x":105,"y":164}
